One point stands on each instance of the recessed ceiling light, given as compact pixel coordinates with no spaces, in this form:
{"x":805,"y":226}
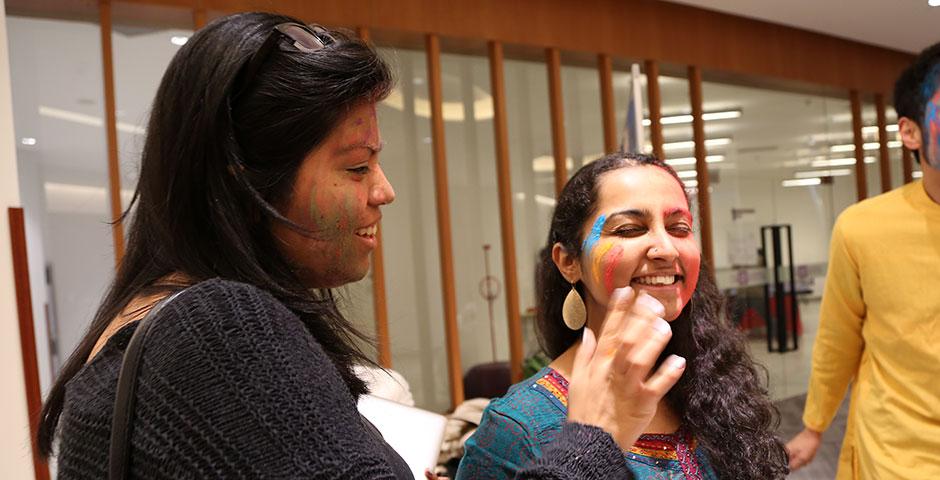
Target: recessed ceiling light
{"x":872,"y":129}
{"x":689,"y":144}
{"x":849,"y":147}
{"x":676,"y":162}
{"x":28,"y":141}
{"x":933,"y":3}
{"x":686,"y":118}
{"x":179,"y":40}
{"x":836,"y":172}
{"x":838,"y":162}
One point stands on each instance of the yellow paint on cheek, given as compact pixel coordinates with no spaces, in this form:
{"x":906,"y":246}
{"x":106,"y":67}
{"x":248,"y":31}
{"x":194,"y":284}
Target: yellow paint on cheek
{"x":599,"y":253}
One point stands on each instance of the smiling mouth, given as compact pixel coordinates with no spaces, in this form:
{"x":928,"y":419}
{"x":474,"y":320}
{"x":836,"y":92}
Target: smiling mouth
{"x":367,"y":232}
{"x":657,"y":280}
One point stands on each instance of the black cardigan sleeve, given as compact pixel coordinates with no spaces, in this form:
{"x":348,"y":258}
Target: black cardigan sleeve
{"x":579,"y":452}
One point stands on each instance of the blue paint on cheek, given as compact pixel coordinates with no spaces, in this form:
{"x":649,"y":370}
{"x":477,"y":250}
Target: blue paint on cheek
{"x":930,"y":86}
{"x":594,"y":235}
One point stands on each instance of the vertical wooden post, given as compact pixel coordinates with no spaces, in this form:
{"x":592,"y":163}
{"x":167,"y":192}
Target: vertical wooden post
{"x":556,"y":102}
{"x":653,"y":97}
{"x":433,"y":46}
{"x":199,"y":15}
{"x":110,"y":125}
{"x":605,"y":71}
{"x":504,"y":184}
{"x":379,"y":299}
{"x":379,"y":303}
{"x":24,"y":313}
{"x":861,"y":179}
{"x":364,"y":34}
{"x":907,"y":163}
{"x":701,"y":168}
{"x":884,"y":161}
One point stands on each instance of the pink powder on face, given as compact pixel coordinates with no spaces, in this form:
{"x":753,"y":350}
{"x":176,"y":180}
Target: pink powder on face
{"x":371,"y":134}
{"x":611,"y":264}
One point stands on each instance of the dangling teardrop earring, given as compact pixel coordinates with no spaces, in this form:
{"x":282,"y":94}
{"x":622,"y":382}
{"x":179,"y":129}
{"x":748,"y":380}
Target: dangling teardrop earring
{"x":573,"y":311}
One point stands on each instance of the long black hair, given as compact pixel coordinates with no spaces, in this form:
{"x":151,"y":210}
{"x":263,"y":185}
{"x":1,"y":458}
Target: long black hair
{"x":214,"y":163}
{"x":720,"y":397}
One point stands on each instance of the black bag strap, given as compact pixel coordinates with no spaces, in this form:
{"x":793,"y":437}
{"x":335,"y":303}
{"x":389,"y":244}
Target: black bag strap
{"x":122,"y":421}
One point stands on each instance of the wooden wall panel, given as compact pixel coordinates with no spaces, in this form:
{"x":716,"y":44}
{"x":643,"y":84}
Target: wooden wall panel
{"x":884,"y":160}
{"x":557,"y":108}
{"x":506,"y":223}
{"x":861,"y":180}
{"x":110,"y":124}
{"x":655,"y":102}
{"x":907,"y":164}
{"x":24,"y":313}
{"x":605,"y":73}
{"x":701,"y":168}
{"x":667,"y":32}
{"x":455,"y":372}
{"x":200,"y":16}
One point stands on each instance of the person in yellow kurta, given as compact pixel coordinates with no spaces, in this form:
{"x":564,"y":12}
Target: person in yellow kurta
{"x":879,"y":326}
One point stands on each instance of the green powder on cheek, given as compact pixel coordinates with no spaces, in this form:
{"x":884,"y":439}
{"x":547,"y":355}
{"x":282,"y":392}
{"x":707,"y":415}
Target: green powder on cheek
{"x":314,"y":212}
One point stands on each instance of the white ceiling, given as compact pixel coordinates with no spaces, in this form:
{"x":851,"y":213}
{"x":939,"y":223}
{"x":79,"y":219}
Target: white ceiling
{"x":906,"y":25}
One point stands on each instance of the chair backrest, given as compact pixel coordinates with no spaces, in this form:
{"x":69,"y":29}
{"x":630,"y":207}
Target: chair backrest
{"x":487,"y":380}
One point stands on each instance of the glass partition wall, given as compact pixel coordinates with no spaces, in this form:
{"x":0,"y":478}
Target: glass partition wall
{"x":58,"y":112}
{"x":774,"y":157}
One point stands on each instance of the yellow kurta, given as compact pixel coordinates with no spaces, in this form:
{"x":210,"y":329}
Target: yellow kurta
{"x":879,"y":328}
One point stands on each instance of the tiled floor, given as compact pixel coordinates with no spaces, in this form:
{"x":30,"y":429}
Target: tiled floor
{"x":822,"y":467}
{"x":789,"y":372}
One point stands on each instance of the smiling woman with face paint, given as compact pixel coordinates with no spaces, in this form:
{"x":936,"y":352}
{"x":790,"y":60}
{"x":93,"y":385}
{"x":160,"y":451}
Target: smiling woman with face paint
{"x":260,"y":190}
{"x":623,"y":223}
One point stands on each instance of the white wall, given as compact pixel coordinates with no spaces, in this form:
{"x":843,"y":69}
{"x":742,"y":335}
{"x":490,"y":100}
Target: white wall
{"x":15,"y":455}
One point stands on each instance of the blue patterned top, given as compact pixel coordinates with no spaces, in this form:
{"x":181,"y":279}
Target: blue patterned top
{"x":516,"y":428}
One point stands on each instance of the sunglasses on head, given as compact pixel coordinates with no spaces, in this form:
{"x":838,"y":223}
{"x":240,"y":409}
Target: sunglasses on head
{"x":306,"y":39}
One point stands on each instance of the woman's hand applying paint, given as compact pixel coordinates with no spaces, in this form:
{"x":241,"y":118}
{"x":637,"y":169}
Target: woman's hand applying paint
{"x":611,"y":384}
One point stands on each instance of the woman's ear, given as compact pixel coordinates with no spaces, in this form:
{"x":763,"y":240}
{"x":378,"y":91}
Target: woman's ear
{"x":910,"y":133}
{"x":567,"y":264}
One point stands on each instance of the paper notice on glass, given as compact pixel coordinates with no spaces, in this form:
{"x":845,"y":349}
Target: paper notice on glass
{"x":743,"y":239}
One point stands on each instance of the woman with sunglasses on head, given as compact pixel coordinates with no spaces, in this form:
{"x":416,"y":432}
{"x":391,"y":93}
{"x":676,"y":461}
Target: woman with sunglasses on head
{"x":218,"y":351}
{"x":624,"y":222}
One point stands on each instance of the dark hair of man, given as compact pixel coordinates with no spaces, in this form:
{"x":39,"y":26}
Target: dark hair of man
{"x":212,"y":169}
{"x":916,"y":85}
{"x":720,"y":397}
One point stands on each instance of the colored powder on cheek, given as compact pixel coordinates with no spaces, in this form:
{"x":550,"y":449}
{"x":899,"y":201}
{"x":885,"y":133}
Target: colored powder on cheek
{"x":612,"y":258}
{"x":342,"y":215}
{"x":691,"y":280}
{"x":314,"y":211}
{"x":594,"y":235}
{"x":932,"y":127}
{"x":598,"y":259}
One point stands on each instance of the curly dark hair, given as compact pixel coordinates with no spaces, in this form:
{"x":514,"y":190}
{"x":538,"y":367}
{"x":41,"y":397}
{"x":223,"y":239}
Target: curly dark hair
{"x":721,"y":397}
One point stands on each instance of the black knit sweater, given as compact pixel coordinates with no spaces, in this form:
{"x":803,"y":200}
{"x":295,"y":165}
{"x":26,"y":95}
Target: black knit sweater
{"x":233,"y":386}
